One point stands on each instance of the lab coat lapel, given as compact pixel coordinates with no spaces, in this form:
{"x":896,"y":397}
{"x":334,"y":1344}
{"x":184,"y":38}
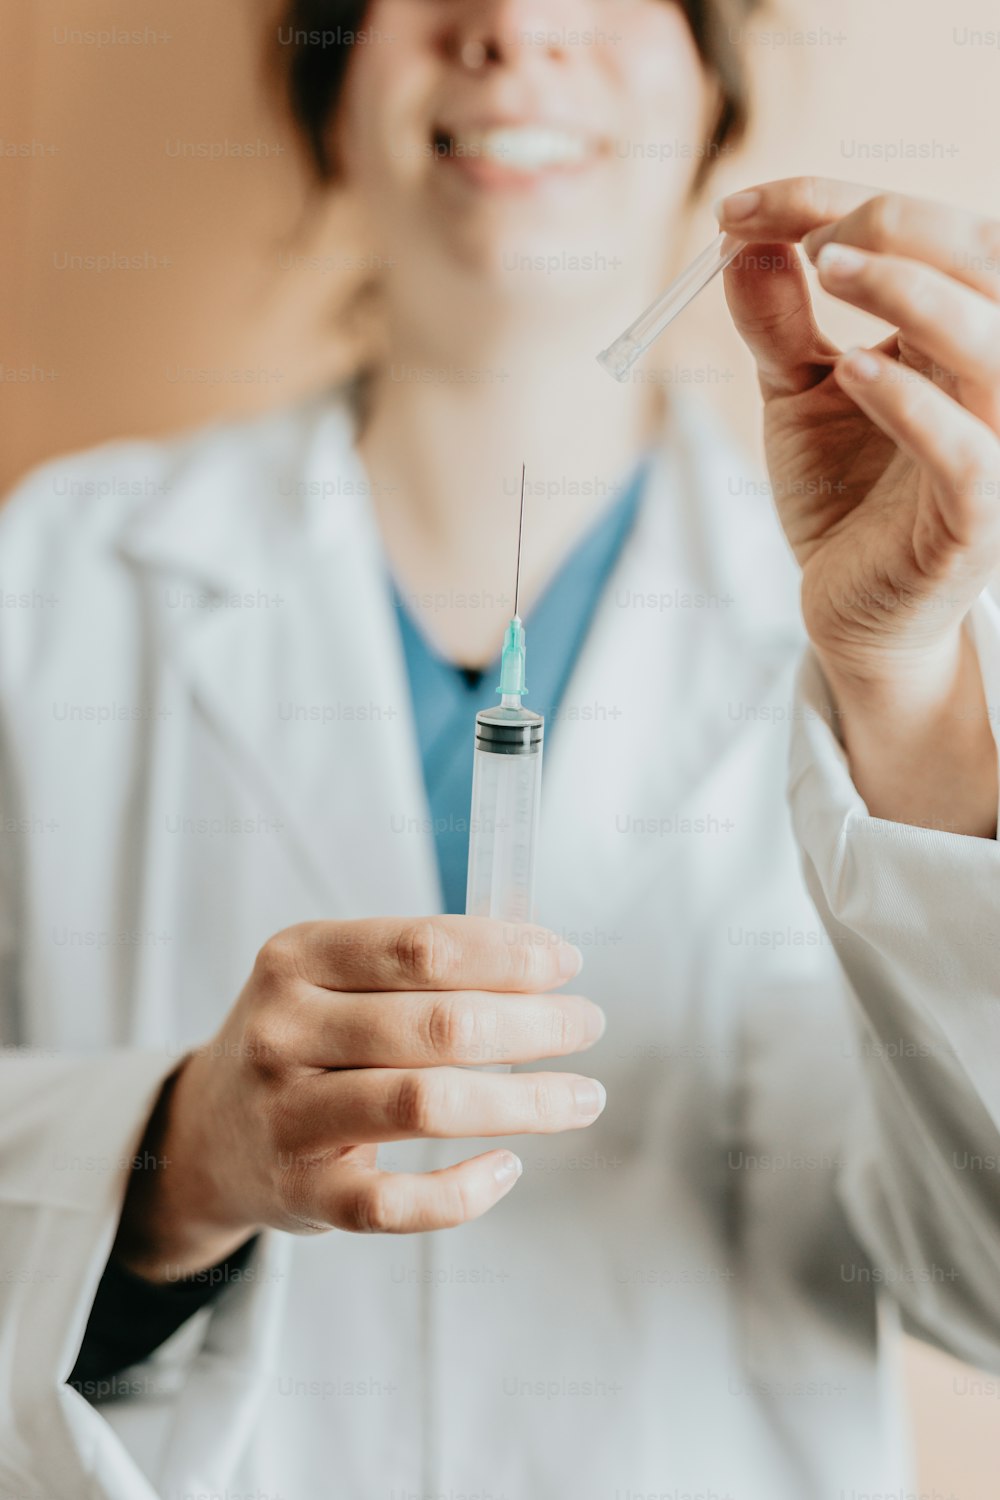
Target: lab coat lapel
{"x":686,"y":629}
{"x":294,"y":658}
{"x":275,"y":610}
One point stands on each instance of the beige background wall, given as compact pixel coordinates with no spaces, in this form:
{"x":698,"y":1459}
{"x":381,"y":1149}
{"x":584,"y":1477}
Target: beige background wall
{"x":228,"y":308}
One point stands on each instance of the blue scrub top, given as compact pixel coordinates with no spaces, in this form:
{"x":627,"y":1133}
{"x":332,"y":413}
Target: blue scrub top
{"x":446,"y":697}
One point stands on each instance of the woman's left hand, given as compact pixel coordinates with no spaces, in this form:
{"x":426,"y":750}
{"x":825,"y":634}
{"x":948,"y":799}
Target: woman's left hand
{"x":885,"y":465}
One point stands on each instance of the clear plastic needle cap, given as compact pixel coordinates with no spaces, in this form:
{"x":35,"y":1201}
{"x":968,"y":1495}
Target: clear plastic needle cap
{"x":619,"y":358}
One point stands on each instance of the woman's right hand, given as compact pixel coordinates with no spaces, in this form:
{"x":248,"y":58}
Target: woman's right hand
{"x":348,"y":1034}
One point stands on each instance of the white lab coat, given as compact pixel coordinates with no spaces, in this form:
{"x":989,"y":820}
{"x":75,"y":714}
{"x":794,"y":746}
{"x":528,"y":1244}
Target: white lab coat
{"x":207,"y":737}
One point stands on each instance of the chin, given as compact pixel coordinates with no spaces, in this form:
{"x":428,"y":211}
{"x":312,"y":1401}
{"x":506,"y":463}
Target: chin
{"x":527,"y":250}
{"x":541,"y":271}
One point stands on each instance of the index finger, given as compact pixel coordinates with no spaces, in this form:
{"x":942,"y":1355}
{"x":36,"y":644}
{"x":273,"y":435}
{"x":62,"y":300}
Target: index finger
{"x":787,"y":209}
{"x":964,"y":245}
{"x":431,"y":953}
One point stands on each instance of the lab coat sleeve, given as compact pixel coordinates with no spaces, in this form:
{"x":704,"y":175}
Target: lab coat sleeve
{"x":71,"y":1126}
{"x":65,"y":1154}
{"x":913,"y":915}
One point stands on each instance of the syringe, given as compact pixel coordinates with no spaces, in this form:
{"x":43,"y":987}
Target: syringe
{"x":506,"y":797}
{"x":506,"y":787}
{"x":620,"y":356}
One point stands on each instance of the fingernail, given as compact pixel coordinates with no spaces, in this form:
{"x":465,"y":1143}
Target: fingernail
{"x":595,"y":1025}
{"x":861,"y":364}
{"x":840,"y":261}
{"x":508,"y":1168}
{"x":738,"y":206}
{"x":570,"y":960}
{"x":590,"y":1097}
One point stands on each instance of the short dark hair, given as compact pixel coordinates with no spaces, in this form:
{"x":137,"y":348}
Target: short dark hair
{"x":316,"y":38}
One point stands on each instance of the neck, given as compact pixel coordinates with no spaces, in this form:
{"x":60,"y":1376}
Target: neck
{"x":452,"y":418}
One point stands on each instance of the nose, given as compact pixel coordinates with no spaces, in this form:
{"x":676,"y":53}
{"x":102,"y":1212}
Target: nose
{"x":488,"y":34}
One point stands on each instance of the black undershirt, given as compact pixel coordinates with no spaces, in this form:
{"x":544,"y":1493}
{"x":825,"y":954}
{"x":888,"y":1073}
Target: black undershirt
{"x":132,"y":1317}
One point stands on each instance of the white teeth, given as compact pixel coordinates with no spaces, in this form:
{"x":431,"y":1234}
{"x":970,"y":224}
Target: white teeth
{"x":526,"y":148}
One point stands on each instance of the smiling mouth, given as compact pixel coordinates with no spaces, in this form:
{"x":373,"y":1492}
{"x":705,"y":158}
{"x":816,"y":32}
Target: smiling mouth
{"x":518,"y":150}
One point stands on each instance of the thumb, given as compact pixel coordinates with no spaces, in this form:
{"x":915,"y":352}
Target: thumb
{"x":768,"y":296}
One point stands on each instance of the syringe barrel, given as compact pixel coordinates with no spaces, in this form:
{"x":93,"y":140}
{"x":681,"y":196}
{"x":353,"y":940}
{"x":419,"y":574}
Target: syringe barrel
{"x":506,"y":802}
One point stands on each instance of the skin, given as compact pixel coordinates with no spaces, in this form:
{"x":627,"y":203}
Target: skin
{"x":231,"y":1125}
{"x":348,"y":1034}
{"x":907,"y":436}
{"x":444,"y":456}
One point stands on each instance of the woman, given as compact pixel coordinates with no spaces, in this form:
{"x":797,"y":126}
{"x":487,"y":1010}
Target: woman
{"x":231,"y":726}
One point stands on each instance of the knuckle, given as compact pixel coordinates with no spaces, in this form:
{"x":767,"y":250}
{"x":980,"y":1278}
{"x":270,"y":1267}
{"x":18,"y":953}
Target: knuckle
{"x":276,"y":963}
{"x":459,"y":1204}
{"x":972,"y":475}
{"x":812,"y":195}
{"x":265,"y":1046}
{"x":919,"y":289}
{"x":881,"y":220}
{"x":372,"y":1210}
{"x":522,"y":958}
{"x":423,"y":952}
{"x":295,"y":1186}
{"x":564,"y":1031}
{"x":412,"y":1107}
{"x":450,"y":1027}
{"x":544,"y":1105}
